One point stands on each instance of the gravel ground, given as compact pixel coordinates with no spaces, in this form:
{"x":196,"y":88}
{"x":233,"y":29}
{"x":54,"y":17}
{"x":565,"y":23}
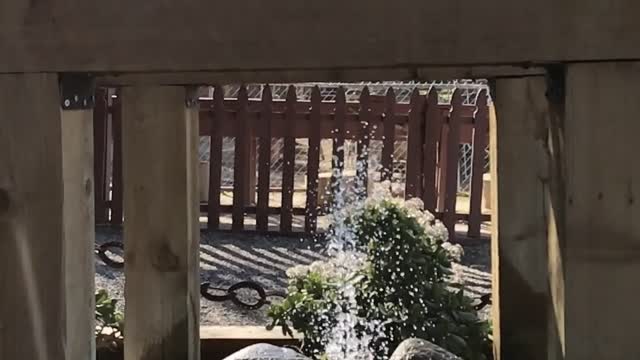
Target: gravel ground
{"x":227,"y":258}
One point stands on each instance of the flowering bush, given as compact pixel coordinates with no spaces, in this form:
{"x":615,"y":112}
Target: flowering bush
{"x":398,"y":272}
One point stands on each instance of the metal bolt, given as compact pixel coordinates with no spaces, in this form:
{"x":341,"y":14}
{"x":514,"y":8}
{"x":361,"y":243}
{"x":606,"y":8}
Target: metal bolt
{"x":67,"y":103}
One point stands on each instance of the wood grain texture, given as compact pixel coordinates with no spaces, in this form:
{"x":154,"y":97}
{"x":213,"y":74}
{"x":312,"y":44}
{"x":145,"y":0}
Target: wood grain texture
{"x":81,"y":35}
{"x":46,"y":223}
{"x":117,"y":211}
{"x":240,"y":161}
{"x":215,"y":159}
{"x":519,"y":216}
{"x":602,"y":231}
{"x":451,"y":173}
{"x":160,"y":138}
{"x":414,"y":146}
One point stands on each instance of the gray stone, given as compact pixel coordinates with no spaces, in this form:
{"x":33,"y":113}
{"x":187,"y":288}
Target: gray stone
{"x":265,"y":352}
{"x":418,"y":349}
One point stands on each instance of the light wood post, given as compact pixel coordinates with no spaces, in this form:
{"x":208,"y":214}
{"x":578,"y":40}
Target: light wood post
{"x":602,"y":219}
{"x":522,"y":305}
{"x":160,"y":157}
{"x":46,"y":223}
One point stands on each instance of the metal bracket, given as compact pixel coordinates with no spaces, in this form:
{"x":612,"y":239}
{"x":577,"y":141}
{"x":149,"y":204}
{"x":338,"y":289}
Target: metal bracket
{"x":556,"y":74}
{"x":191,"y":97}
{"x":77,"y":91}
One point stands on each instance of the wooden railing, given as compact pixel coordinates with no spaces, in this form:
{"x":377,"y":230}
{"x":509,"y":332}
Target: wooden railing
{"x":433,"y":133}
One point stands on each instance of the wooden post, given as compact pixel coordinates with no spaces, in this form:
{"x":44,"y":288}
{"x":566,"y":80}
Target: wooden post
{"x":477,"y":170}
{"x":522,"y":316}
{"x":600,"y":182}
{"x":160,"y":156}
{"x":46,"y":223}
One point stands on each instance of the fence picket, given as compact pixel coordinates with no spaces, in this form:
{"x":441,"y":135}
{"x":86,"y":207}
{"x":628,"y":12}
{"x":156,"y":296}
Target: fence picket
{"x":477,"y":169}
{"x":264,"y":165}
{"x":117,"y":185}
{"x":413,"y":185}
{"x":240,"y":161}
{"x":100,"y":143}
{"x":288,"y":166}
{"x":215,"y":159}
{"x":432,"y":129}
{"x":339,"y":137}
{"x":363,"y":139}
{"x":452,"y":150}
{"x":313,"y":162}
{"x":389,"y":124}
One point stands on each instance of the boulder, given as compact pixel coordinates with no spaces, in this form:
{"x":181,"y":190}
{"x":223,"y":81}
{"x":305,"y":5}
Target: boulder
{"x":265,"y":352}
{"x":418,"y":349}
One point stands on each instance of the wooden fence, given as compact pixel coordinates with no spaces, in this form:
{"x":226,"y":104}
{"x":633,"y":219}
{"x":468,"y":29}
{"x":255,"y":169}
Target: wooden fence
{"x":433,"y":133}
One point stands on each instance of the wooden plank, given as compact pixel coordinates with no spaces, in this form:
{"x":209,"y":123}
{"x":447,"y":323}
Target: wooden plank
{"x":433,"y":127}
{"x":478,"y":163}
{"x":313,"y":163}
{"x":569,"y":30}
{"x":601,"y":233}
{"x":287,"y":76}
{"x":443,"y":145}
{"x":453,"y":154}
{"x":389,"y":125}
{"x":519,"y":231}
{"x":264,"y":165}
{"x":414,"y":146}
{"x":117,"y":184}
{"x":100,"y":141}
{"x":338,"y":135}
{"x":215,"y":160}
{"x":46,"y":223}
{"x":288,"y":162}
{"x":240,"y":165}
{"x":160,"y":138}
{"x":363,"y":140}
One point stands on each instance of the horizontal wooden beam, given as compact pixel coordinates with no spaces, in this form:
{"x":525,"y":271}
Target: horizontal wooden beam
{"x":319,"y":40}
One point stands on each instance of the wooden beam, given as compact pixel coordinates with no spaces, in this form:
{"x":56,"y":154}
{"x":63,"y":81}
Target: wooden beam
{"x":160,"y":157}
{"x":601,"y":228}
{"x":46,"y":223}
{"x":521,"y":297}
{"x":331,"y":35}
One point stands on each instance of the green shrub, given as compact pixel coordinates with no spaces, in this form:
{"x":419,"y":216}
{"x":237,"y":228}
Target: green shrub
{"x":109,"y":321}
{"x":402,"y":282}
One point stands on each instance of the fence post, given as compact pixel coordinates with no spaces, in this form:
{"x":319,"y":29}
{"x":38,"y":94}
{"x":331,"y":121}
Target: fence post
{"x":264,"y":165}
{"x":389,"y":125}
{"x":100,"y":143}
{"x":451,"y":175}
{"x":215,"y":159}
{"x":241,"y":159}
{"x":288,"y":159}
{"x":480,"y":127}
{"x":313,"y":162}
{"x":116,"y":188}
{"x":414,"y":147}
{"x":432,"y":129}
{"x":363,"y":139}
{"x":338,"y":138}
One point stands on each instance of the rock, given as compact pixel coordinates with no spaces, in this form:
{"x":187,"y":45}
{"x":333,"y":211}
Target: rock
{"x":418,"y":349}
{"x":265,"y":352}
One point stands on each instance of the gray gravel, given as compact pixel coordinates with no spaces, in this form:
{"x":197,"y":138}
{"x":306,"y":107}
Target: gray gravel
{"x":227,"y":258}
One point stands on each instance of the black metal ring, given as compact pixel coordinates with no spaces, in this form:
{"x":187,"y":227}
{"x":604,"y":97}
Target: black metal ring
{"x":252,"y":286}
{"x":204,"y":291}
{"x":101,"y":251}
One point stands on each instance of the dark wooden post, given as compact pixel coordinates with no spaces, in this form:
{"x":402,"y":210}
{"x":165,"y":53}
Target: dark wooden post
{"x":480,"y":127}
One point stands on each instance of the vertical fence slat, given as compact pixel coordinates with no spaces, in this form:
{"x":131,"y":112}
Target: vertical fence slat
{"x":117,"y":185}
{"x":477,"y":170}
{"x":389,"y":124}
{"x":340,"y":119}
{"x":453,"y":154}
{"x":432,"y":129}
{"x":240,"y":161}
{"x":100,"y":143}
{"x":215,"y":159}
{"x":414,"y":147}
{"x":288,"y":159}
{"x":313,"y":162}
{"x":362,"y":167}
{"x":443,"y":145}
{"x":264,"y":166}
